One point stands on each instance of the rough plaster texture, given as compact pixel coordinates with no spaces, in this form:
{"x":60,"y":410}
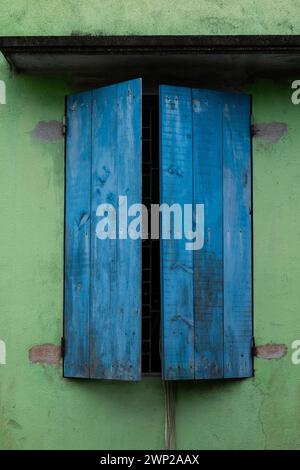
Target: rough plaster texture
{"x":150,"y":17}
{"x":40,"y":409}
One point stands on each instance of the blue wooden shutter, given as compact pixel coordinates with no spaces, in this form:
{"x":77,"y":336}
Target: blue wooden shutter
{"x":102,"y":310}
{"x":176,"y":180}
{"x":207,"y":293}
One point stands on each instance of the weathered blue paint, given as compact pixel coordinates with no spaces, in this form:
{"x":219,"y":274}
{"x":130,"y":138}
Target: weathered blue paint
{"x":207,"y":294}
{"x":115,"y":322}
{"x":237,"y":228}
{"x":208,"y":262}
{"x":77,"y":236}
{"x":176,"y":167}
{"x":103,"y":277}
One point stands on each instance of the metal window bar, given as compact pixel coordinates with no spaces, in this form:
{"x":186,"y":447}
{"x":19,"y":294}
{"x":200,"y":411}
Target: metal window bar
{"x":151,"y":363}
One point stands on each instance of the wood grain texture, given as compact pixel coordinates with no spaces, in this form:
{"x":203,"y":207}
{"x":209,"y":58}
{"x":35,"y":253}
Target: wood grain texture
{"x":176,"y":159}
{"x":115,"y":321}
{"x":237,"y":233}
{"x":205,"y":159}
{"x":207,"y":293}
{"x":208,"y":262}
{"x":77,"y":236}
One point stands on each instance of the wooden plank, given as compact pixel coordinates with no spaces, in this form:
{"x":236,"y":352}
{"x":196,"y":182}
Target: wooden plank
{"x":176,"y":159}
{"x":237,"y":237}
{"x":115,"y":322}
{"x":77,"y":236}
{"x":208,"y":261}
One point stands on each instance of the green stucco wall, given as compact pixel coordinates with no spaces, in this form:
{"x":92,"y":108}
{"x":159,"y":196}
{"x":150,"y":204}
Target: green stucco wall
{"x":38,"y":408}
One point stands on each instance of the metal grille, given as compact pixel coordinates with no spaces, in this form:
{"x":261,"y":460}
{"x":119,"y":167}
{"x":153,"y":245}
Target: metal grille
{"x":150,"y":248}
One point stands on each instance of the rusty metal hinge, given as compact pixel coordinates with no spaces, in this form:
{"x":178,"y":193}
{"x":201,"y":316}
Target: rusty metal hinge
{"x":253,"y":346}
{"x":64,"y":126}
{"x":62,"y":346}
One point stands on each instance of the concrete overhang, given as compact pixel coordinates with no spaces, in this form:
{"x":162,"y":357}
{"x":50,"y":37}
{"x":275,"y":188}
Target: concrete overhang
{"x":175,"y":59}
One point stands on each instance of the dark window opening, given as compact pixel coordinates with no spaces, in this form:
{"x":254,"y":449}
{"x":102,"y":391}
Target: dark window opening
{"x":151,"y":362}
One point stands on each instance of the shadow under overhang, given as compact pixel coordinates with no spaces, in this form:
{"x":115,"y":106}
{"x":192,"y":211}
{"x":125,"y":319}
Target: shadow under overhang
{"x":211,"y":60}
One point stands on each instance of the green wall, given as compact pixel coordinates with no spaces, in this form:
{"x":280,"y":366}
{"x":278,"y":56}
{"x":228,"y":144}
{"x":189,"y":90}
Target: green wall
{"x":39,"y":409}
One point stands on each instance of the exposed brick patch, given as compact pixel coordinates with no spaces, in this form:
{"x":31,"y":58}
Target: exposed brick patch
{"x":270,"y":351}
{"x":45,"y":353}
{"x":270,"y":132}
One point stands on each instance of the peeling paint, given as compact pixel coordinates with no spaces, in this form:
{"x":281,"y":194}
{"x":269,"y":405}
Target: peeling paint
{"x":270,"y":351}
{"x":50,"y":131}
{"x":58,"y":413}
{"x":45,"y":353}
{"x":14,"y":424}
{"x":270,"y":132}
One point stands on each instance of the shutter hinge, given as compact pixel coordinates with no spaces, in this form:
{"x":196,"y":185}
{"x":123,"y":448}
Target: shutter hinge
{"x":62,"y":346}
{"x":253,"y":346}
{"x":252,"y":126}
{"x":64,"y":126}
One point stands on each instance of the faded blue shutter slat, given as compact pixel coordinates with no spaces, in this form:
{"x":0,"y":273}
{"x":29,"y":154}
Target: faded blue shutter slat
{"x":208,"y":262}
{"x":115,"y":324}
{"x":176,"y":170}
{"x":217,"y":305}
{"x":113,"y":320}
{"x":237,"y":230}
{"x":77,"y":236}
